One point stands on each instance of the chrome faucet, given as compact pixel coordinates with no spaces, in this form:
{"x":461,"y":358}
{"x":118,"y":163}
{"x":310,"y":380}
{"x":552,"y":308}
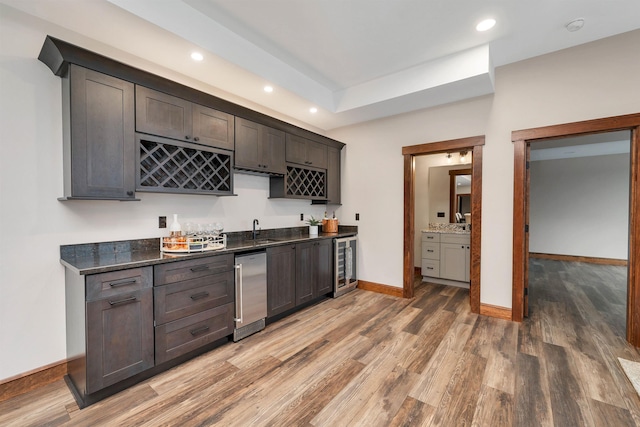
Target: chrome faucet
{"x":255,"y":232}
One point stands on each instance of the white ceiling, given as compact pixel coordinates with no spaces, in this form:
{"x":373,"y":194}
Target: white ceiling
{"x":355,"y":60}
{"x":600,"y":144}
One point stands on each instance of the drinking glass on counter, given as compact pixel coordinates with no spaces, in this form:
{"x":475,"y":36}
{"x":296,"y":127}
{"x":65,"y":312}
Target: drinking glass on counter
{"x":218,"y":228}
{"x":209,"y":231}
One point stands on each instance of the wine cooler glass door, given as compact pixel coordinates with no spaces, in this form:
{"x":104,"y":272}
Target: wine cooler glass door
{"x":345,"y":265}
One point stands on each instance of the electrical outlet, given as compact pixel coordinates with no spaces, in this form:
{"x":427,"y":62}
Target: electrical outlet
{"x":301,"y":217}
{"x":162,"y":222}
{"x":357,"y":217}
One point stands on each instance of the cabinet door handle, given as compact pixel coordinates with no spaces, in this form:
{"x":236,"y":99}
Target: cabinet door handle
{"x":429,"y":268}
{"x":429,"y":250}
{"x":196,"y":139}
{"x":123,"y":283}
{"x":462,"y":246}
{"x":123,"y":301}
{"x":199,"y":295}
{"x":187,"y":137}
{"x":199,"y":268}
{"x":199,"y":330}
{"x":129,"y":193}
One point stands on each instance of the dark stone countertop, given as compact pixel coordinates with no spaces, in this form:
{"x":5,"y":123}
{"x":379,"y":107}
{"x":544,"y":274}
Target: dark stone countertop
{"x":92,"y":258}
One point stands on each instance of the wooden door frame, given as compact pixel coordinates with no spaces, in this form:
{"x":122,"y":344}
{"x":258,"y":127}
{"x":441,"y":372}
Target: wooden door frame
{"x":521,"y":139}
{"x":474,"y":144}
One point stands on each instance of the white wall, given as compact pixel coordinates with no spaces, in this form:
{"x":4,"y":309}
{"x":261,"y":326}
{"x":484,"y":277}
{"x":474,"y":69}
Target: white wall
{"x":595,"y":80}
{"x":580,"y":206}
{"x":589,"y":81}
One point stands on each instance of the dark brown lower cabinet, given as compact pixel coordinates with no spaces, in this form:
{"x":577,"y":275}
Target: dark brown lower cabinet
{"x":281,"y":279}
{"x":109,"y":327}
{"x":119,"y":338}
{"x":324,"y":266}
{"x":194,"y":304}
{"x":305,"y":269}
{"x":314,"y":269}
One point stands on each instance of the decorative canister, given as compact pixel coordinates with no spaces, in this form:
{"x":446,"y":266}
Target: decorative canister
{"x":330,"y":225}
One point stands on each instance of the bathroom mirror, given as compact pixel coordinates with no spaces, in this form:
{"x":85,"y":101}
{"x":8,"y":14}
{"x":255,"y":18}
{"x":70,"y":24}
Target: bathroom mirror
{"x":459,"y":194}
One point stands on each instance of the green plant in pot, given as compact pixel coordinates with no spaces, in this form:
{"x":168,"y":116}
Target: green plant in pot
{"x":313,"y":226}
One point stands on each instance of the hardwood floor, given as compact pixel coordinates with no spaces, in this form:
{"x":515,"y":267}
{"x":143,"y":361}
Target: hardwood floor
{"x":368,"y":359}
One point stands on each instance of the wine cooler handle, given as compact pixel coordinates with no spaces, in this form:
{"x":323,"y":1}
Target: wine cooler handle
{"x":348,"y":263}
{"x":238,"y":292}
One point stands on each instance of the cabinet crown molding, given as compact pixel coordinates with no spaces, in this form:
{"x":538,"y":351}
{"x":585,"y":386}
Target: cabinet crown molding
{"x":58,"y":54}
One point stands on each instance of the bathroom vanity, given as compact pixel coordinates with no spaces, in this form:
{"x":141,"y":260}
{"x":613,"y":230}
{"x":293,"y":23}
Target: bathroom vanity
{"x":446,"y":256}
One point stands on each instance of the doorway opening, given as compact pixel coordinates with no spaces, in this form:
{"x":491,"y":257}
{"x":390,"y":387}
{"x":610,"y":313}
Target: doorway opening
{"x":522,"y":141}
{"x":475,"y":145}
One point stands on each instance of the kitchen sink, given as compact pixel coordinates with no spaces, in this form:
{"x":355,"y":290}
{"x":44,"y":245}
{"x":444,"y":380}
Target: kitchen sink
{"x":265,"y":241}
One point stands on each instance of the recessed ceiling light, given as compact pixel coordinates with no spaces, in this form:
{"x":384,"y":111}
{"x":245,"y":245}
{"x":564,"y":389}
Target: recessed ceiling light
{"x":197,"y":56}
{"x":313,"y":110}
{"x":485,"y":25}
{"x":268,"y":89}
{"x":575,"y":25}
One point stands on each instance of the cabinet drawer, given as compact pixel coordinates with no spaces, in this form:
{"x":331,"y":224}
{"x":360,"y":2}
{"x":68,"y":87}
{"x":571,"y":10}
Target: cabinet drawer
{"x":431,"y":268}
{"x":430,"y":250}
{"x":184,"y":335}
{"x":430,"y":237}
{"x":105,"y":285}
{"x":462,"y":239}
{"x":193,"y":269}
{"x":177,"y":300}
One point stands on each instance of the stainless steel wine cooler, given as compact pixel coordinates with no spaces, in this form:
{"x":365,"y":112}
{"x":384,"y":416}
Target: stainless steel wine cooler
{"x":346,"y":278}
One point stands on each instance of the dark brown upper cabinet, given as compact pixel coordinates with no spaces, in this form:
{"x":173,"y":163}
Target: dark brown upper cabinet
{"x":111,"y":105}
{"x":259,"y":148}
{"x":164,"y":115}
{"x":306,"y":152}
{"x":333,"y":176}
{"x":99,"y":136}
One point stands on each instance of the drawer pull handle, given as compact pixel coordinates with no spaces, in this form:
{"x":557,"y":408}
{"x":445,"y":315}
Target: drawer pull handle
{"x":429,"y":268}
{"x":429,"y":250}
{"x":123,"y":283}
{"x":199,"y":295}
{"x":200,"y":268}
{"x":199,"y":330}
{"x":123,"y":301}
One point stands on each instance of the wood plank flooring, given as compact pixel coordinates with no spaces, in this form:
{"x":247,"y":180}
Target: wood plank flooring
{"x":368,"y":359}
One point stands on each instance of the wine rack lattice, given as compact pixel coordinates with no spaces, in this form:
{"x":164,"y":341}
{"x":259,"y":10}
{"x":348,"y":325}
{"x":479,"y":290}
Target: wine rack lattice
{"x":305,"y":182}
{"x":173,"y":168}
